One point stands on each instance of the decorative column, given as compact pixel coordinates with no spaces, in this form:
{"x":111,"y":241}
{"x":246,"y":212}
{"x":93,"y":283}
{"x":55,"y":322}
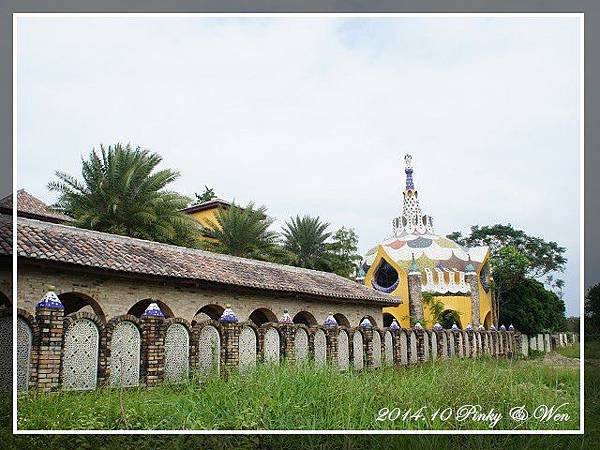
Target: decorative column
{"x":153,"y":346}
{"x":419,"y":333}
{"x":331,"y":336}
{"x":472,"y":344}
{"x":441,"y":341}
{"x":415,"y":298}
{"x":471,"y":277}
{"x":458,"y":344}
{"x":394,"y":328}
{"x":367,"y":328}
{"x":288,"y":337}
{"x":49,"y":314}
{"x":230,"y":332}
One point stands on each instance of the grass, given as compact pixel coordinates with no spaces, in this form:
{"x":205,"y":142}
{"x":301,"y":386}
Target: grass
{"x":572,"y":351}
{"x":288,"y":397}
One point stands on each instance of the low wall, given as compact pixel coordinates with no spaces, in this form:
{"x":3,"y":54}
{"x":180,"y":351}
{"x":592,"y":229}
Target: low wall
{"x":80,"y":352}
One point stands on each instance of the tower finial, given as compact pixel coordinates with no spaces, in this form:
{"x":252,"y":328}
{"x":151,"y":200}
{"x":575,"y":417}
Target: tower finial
{"x":409,"y":171}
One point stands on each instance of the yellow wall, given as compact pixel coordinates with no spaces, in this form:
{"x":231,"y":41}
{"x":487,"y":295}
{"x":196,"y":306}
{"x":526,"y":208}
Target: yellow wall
{"x":460,"y":303}
{"x":205,"y":215}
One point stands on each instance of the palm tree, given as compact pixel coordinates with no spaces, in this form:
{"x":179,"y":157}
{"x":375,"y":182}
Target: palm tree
{"x":241,"y":232}
{"x":121,"y":193}
{"x":304,"y":239}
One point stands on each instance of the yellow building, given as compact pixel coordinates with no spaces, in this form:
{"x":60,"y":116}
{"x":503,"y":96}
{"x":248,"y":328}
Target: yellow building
{"x":415,"y":261}
{"x":207,"y":211}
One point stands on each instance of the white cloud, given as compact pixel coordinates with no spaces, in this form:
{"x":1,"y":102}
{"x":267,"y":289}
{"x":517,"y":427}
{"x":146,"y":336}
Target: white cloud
{"x":314,"y":115}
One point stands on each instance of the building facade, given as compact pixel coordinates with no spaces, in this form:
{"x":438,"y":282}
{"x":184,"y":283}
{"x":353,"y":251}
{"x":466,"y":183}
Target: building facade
{"x":414,"y":260}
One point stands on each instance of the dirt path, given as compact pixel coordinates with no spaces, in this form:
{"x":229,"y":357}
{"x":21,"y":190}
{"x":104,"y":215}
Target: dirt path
{"x":557,"y":360}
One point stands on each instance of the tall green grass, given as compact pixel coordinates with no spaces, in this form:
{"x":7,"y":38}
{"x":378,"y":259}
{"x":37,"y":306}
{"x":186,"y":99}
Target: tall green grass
{"x":312,"y":398}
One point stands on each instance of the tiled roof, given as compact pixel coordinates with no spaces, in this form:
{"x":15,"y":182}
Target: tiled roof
{"x":209,"y":204}
{"x":30,"y":206}
{"x":59,"y":243}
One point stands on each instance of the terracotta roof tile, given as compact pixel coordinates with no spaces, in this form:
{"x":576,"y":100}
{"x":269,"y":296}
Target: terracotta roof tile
{"x":61,"y":243}
{"x":30,"y":206}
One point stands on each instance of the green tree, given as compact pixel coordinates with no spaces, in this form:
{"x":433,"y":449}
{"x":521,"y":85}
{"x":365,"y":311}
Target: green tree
{"x":305,"y":241}
{"x":242,"y":232}
{"x":546,"y":259}
{"x":208,"y":194}
{"x":123,"y":193}
{"x":532,"y":308}
{"x":510,"y":268}
{"x":343,"y":252}
{"x":592,"y":310}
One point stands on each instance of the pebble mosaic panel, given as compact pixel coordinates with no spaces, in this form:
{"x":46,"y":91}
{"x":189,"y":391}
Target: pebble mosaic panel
{"x":209,"y":350}
{"x":80,"y":356}
{"x":177,"y":352}
{"x":125,"y":357}
{"x":247,"y":349}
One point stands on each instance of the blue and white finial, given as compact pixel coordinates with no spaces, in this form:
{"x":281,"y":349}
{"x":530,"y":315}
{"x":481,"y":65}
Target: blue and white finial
{"x":408,"y":170}
{"x":480,"y":327}
{"x":418,"y":326}
{"x":228,"y":315}
{"x":394,"y":325}
{"x":438,"y":327}
{"x":511,"y":328}
{"x":502,"y":327}
{"x":469,"y":327}
{"x":330,"y":321}
{"x":153,"y":310}
{"x":492,"y":328}
{"x":366,"y":323}
{"x":454,"y":326}
{"x":50,"y":300}
{"x":286,"y":318}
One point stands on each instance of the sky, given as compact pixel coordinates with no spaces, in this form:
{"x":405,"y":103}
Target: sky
{"x":314,"y":115}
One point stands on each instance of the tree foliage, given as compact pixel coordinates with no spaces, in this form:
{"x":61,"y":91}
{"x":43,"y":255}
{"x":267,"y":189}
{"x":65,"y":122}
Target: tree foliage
{"x":123,"y":193}
{"x":207,"y":195}
{"x":343,"y":250}
{"x":592,"y":310}
{"x":304,"y":238}
{"x":241,"y":232}
{"x":533,"y":309}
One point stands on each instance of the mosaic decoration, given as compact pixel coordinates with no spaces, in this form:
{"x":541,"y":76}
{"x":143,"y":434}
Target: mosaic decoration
{"x":451,"y":345}
{"x":177,"y":352}
{"x":480,"y":327}
{"x":502,"y":328}
{"x":386,"y":278}
{"x":420,"y":243}
{"x":386,"y":290}
{"x":397,"y":244}
{"x":330,"y":321}
{"x":50,"y":300}
{"x":389,"y":348}
{"x":484,"y":277}
{"x":271,"y":346}
{"x":6,"y":352}
{"x":403,"y":349}
{"x":376,"y":349}
{"x":412,"y":358}
{"x":438,"y":327}
{"x":209,"y":350}
{"x":454,"y":326}
{"x":444,"y":345}
{"x":125,"y":356}
{"x":247,"y":349}
{"x":320,"y":347}
{"x":511,"y":327}
{"x":228,"y":316}
{"x":343,"y":350}
{"x":24,"y":341}
{"x":286,"y":318}
{"x":469,"y":327}
{"x":434,"y":346}
{"x":492,"y":328}
{"x":357,"y":343}
{"x":153,"y":311}
{"x":394,"y":325}
{"x":301,"y":345}
{"x":418,"y":326}
{"x":80,"y":356}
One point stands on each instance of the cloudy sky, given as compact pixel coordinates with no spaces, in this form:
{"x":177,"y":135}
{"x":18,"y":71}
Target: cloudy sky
{"x":314,"y":115}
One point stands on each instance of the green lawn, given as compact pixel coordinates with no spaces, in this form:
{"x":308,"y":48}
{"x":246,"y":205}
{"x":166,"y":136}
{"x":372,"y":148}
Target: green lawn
{"x":309,"y":398}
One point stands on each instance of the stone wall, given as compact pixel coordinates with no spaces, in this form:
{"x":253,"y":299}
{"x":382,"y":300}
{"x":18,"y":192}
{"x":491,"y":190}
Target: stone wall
{"x":115,"y":295}
{"x":129,"y":351}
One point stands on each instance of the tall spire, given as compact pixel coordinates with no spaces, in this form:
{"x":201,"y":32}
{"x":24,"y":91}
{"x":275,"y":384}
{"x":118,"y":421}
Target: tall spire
{"x":408,"y":170}
{"x":411,"y":220}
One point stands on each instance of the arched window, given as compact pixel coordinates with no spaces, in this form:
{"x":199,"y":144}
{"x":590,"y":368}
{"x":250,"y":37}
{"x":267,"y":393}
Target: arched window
{"x":487,"y":322}
{"x":450,"y":317}
{"x":387,"y":319}
{"x":305,"y":318}
{"x":76,"y":301}
{"x":261,"y":316}
{"x":385,"y":278}
{"x":341,"y":320}
{"x":138,"y":309}
{"x":208,"y":312}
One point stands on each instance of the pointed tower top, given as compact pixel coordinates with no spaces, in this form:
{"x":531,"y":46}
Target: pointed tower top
{"x":408,"y":170}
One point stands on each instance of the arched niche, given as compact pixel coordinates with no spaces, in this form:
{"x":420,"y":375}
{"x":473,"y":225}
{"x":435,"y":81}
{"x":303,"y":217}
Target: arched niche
{"x":341,"y":320}
{"x":139,"y":307}
{"x":208,"y":312}
{"x":78,"y":302}
{"x":305,"y":318}
{"x":261,"y":316}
